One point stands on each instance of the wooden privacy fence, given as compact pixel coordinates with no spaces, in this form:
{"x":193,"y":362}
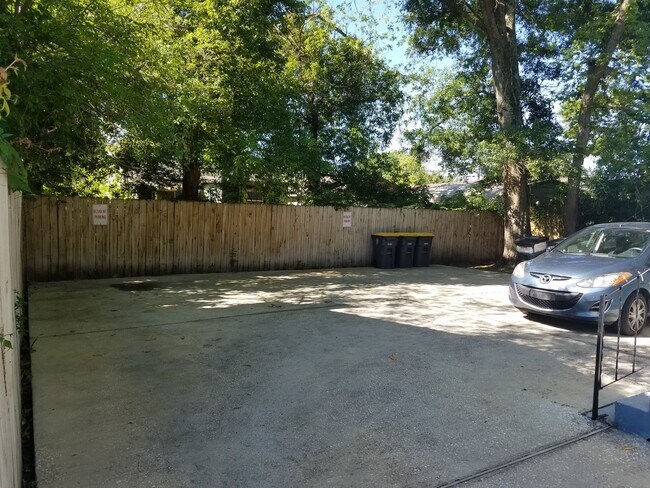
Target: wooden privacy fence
{"x":151,"y":237}
{"x":11,"y":282}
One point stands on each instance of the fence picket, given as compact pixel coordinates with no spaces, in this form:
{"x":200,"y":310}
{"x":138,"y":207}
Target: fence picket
{"x":161,"y":237}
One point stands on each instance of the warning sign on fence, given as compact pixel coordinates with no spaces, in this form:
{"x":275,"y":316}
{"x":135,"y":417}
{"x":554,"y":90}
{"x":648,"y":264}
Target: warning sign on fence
{"x":100,"y":214}
{"x":347,"y":219}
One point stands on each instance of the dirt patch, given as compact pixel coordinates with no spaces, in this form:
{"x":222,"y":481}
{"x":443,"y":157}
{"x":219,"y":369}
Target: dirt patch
{"x":137,"y":286}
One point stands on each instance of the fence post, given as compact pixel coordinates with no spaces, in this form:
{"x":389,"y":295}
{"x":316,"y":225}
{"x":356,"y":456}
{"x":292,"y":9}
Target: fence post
{"x":10,"y":268}
{"x":599,"y":357}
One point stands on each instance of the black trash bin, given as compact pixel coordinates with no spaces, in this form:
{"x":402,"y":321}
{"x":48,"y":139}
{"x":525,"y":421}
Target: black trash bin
{"x":423,"y":251}
{"x":384,"y":250}
{"x":405,"y":252}
{"x":530,"y":247}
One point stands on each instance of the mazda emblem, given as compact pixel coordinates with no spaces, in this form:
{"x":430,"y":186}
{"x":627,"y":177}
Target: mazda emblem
{"x":545,"y":279}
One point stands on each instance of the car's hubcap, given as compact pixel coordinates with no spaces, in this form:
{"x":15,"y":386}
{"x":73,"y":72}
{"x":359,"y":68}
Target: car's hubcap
{"x":637,"y":316}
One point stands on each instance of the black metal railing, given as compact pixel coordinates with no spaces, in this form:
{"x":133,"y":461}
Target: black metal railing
{"x":620,"y":296}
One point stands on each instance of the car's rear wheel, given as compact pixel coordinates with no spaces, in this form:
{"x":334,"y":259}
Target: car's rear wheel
{"x":634,"y":314}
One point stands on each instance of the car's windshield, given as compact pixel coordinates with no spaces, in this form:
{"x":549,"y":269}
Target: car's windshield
{"x":614,"y":242}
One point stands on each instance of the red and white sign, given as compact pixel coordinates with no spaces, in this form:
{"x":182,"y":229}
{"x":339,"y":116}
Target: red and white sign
{"x":100,"y":214}
{"x":347,"y":219}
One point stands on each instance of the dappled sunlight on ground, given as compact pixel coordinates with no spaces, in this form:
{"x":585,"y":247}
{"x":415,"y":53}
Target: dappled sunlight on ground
{"x":456,"y":302}
{"x":296,"y":377}
{"x":298,"y":296}
{"x":486,"y":312}
{"x":452,"y":300}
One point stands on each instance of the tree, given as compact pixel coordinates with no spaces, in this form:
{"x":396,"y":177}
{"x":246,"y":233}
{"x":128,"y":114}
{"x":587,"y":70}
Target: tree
{"x":453,"y":121}
{"x":82,"y":88}
{"x":487,"y":27}
{"x":348,"y":101}
{"x":590,"y":39}
{"x":596,"y":56}
{"x":585,"y":54}
{"x":220,"y":72}
{"x":171,"y":92}
{"x":618,"y":189}
{"x":407,"y":169}
{"x":9,"y":158}
{"x":136,"y":87}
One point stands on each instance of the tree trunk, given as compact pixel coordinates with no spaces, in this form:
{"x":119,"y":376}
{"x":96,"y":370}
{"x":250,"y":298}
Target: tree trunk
{"x":233,"y":183}
{"x":312,"y":119}
{"x":516,"y":205}
{"x":22,"y":7}
{"x":499,"y":25}
{"x":595,"y":74}
{"x":191,"y":181}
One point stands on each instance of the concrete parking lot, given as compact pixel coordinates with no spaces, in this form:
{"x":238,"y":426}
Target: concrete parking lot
{"x":350,"y":377}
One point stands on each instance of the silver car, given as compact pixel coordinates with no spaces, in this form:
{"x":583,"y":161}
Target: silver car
{"x":568,"y":280}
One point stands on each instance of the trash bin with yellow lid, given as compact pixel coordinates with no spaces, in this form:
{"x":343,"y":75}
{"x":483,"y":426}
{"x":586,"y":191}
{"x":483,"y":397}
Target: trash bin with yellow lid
{"x":384,"y":247}
{"x":423,"y":250}
{"x":405,"y":251}
{"x":401,"y":249}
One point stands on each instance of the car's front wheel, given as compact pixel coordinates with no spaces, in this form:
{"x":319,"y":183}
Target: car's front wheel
{"x":634,"y":314}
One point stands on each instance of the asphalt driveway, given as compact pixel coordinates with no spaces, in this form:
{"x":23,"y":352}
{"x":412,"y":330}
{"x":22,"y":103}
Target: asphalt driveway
{"x":352,"y":377}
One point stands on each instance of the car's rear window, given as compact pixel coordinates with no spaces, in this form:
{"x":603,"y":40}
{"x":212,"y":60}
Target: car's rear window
{"x":614,"y":242}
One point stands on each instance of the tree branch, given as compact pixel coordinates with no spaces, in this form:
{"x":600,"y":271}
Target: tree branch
{"x":597,"y":72}
{"x":318,"y":16}
{"x":464,"y":10}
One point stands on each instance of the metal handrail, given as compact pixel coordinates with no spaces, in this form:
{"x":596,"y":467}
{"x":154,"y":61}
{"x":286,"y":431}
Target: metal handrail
{"x":638,"y":279}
